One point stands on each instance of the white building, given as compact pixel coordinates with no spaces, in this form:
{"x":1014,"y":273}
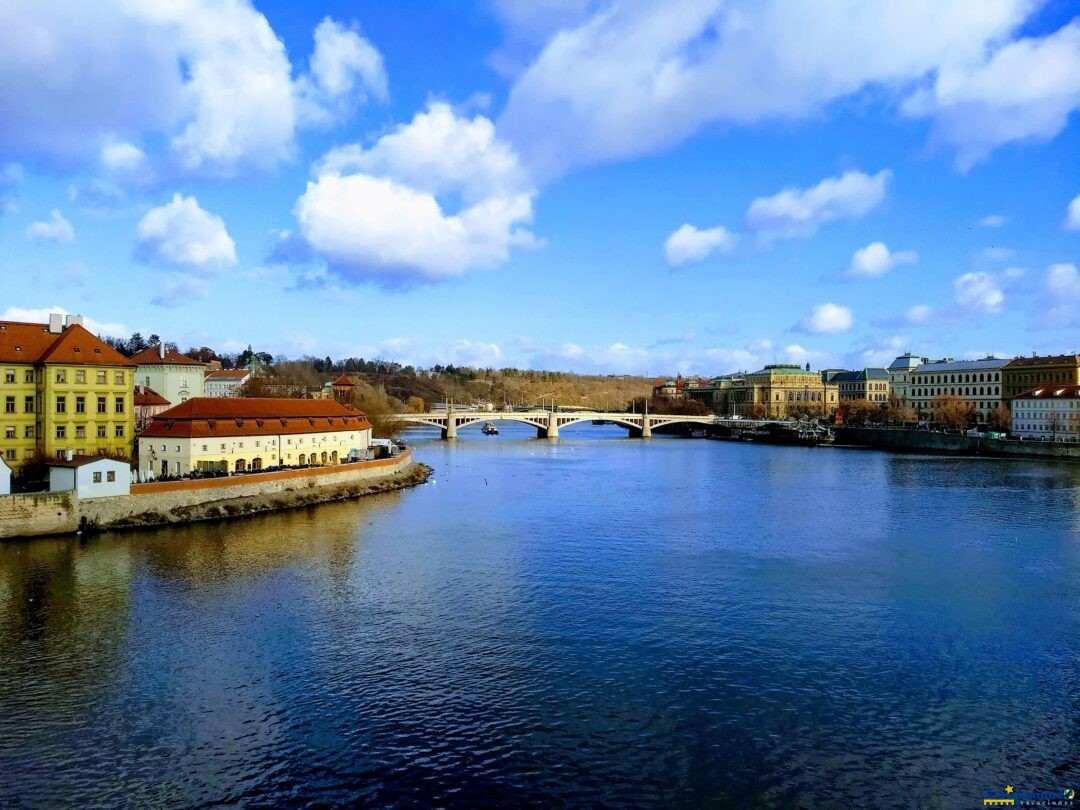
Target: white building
{"x":90,"y":476}
{"x":900,"y":371}
{"x":5,"y":478}
{"x":171,"y":374}
{"x":225,"y":434}
{"x":226,"y":383}
{"x":977,"y":381}
{"x":1050,"y":413}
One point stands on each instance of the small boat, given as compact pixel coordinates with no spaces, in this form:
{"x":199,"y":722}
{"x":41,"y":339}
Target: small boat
{"x":489,"y":429}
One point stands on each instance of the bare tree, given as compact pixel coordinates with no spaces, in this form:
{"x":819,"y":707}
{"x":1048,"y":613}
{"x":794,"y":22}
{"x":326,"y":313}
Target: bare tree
{"x":952,"y":411}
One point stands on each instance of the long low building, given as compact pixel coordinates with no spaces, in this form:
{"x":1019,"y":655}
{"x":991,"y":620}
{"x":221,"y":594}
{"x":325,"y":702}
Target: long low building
{"x":225,"y":434}
{"x":1050,"y":413}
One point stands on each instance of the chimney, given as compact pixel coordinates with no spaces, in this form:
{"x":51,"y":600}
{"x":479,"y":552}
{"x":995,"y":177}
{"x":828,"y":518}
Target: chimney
{"x":56,"y":323}
{"x":74,"y":320}
{"x":161,"y":350}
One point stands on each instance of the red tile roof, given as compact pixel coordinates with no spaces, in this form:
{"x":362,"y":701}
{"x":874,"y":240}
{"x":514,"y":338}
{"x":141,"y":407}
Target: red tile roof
{"x":79,"y":461}
{"x":146,"y":396}
{"x":152,"y":357}
{"x":227,"y":416}
{"x":344,"y":379}
{"x":228,"y":374}
{"x":1051,"y":391}
{"x":74,"y":346}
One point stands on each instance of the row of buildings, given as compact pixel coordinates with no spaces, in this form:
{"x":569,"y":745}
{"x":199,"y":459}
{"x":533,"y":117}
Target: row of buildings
{"x":68,"y":396}
{"x":1044,"y":385}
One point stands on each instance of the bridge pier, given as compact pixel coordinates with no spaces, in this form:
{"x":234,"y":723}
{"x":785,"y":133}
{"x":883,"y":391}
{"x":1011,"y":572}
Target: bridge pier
{"x":450,"y":431}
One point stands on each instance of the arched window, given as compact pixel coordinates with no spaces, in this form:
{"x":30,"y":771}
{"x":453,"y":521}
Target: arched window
{"x":240,"y":465}
{"x":323,"y":459}
{"x":302,"y":460}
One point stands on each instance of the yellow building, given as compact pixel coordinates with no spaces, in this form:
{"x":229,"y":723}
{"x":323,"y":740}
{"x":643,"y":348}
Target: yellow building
{"x":1024,"y":373}
{"x":784,"y":390}
{"x":64,"y":390}
{"x":236,"y":434}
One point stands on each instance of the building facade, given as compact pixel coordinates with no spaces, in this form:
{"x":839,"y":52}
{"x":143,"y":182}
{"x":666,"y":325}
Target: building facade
{"x":977,"y":381}
{"x":148,"y":404}
{"x":783,"y":390}
{"x":225,"y":434}
{"x":173,"y":375}
{"x":1025,"y":373}
{"x":226,"y":383}
{"x":900,"y":372}
{"x":1049,"y":412}
{"x":90,"y":476}
{"x":64,"y":391}
{"x":870,"y":384}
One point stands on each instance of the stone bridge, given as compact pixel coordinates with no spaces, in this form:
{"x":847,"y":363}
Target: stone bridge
{"x":549,"y":423}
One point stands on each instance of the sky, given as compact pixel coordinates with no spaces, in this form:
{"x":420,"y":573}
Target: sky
{"x":612,"y":186}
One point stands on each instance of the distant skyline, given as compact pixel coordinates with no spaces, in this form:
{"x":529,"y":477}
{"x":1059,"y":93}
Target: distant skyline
{"x":690,"y":187}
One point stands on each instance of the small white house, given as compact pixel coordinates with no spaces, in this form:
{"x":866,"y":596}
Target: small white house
{"x":5,"y":478}
{"x":90,"y":476}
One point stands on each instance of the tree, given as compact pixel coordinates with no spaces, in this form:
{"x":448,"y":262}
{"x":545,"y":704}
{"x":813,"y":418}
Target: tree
{"x":755,"y":410}
{"x":952,"y":411}
{"x":1055,"y":423}
{"x":415,"y":405}
{"x":898,"y":410}
{"x":859,"y":411}
{"x":1000,"y":418}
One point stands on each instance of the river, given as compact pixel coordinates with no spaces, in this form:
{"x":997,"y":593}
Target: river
{"x":582,"y":622}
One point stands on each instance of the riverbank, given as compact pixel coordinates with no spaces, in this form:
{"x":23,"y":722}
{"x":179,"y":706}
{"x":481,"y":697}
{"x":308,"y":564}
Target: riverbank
{"x":187,"y":501}
{"x":899,"y":440}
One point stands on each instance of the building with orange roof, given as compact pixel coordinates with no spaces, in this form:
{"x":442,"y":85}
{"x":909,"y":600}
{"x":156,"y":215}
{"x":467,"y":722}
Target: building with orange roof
{"x":64,"y":391}
{"x":226,"y":382}
{"x":175,"y":376}
{"x":148,"y":404}
{"x":1048,"y":412}
{"x":239,"y":434}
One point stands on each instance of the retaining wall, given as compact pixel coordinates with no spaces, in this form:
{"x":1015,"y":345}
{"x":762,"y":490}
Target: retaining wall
{"x":43,"y":513}
{"x":924,"y":441}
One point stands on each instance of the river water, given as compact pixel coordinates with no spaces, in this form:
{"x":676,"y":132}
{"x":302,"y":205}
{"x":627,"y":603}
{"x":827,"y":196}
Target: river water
{"x":584,"y":622}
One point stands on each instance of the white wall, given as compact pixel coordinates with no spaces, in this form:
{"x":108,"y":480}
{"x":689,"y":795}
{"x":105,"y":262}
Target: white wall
{"x":175,"y":383}
{"x":82,"y":479}
{"x":5,"y":478}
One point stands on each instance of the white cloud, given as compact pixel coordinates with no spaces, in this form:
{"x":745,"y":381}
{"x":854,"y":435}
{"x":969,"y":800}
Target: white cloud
{"x":920,"y":313}
{"x":688,"y":245}
{"x":827,"y":319}
{"x":209,"y":78}
{"x":1072,"y":214}
{"x":991,"y":221}
{"x":55,"y":229}
{"x":471,"y":353}
{"x":1063,"y":292}
{"x":1023,"y":91}
{"x":979,"y":292}
{"x":345,"y":68}
{"x":41,"y":315}
{"x":637,"y":77}
{"x":179,"y":290}
{"x":122,"y":157}
{"x":878,"y":353}
{"x":876,"y":260}
{"x":380,"y":213}
{"x":181,"y":233}
{"x":796,"y":212}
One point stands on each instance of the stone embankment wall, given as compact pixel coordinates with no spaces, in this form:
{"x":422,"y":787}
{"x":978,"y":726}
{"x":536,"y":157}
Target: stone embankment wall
{"x":44,"y":513}
{"x":206,"y":499}
{"x":923,"y":441}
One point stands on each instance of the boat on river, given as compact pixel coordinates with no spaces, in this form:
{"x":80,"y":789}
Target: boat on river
{"x":490,"y":429}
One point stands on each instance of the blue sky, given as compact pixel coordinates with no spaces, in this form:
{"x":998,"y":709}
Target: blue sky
{"x":696,"y":186}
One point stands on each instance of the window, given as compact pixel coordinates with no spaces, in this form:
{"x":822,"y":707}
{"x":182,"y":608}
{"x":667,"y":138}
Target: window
{"x":9,"y":432}
{"x":101,"y":377}
{"x":80,"y":404}
{"x":28,"y":432}
{"x":119,"y":378}
{"x":119,"y":404}
{"x":119,"y":431}
{"x":9,"y":375}
{"x":101,"y":431}
{"x":97,"y":478}
{"x":29,"y":376}
{"x":101,"y":404}
{"x":9,"y":404}
{"x":61,"y":404}
{"x":110,"y":476}
{"x":10,"y":454}
{"x":28,"y":404}
{"x":61,"y":431}
{"x":80,"y":431}
{"x":61,"y":375}
{"x":80,"y":376}
{"x":204,"y":448}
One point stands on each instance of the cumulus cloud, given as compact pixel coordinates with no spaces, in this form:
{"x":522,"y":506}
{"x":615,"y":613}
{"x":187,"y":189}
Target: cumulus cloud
{"x":979,"y":293}
{"x":180,"y":233}
{"x":471,"y":353}
{"x":827,"y":319}
{"x":1072,"y":215}
{"x":210,"y":78}
{"x":1024,"y":90}
{"x":1063,"y":293}
{"x":796,"y":212}
{"x":876,"y":260}
{"x":688,"y":245}
{"x":382,"y":212}
{"x":179,"y":290}
{"x":991,"y":221}
{"x":41,"y":315}
{"x":878,"y":352}
{"x":637,"y":77}
{"x":122,"y":157}
{"x":345,"y":69}
{"x":55,"y":229}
